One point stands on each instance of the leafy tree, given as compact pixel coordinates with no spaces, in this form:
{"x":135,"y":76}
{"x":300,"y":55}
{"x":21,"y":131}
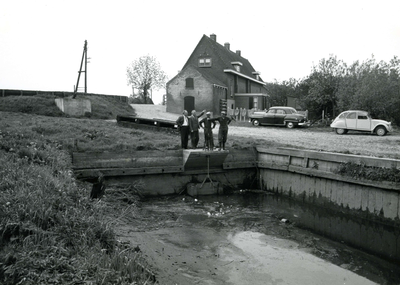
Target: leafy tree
{"x":372,"y":86}
{"x":324,"y":83}
{"x":280,"y":91}
{"x":145,"y":74}
{"x":333,"y":87}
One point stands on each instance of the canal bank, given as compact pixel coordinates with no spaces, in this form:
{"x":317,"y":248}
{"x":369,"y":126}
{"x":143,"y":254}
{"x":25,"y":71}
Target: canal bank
{"x":246,"y":237}
{"x":367,"y":212}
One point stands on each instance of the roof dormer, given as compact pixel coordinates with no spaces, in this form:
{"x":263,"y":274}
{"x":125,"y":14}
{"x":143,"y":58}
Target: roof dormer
{"x":256,"y":74}
{"x":237,"y":65}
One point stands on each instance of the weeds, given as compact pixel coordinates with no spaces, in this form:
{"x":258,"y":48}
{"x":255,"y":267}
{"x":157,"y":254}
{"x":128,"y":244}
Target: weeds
{"x":362,"y":171}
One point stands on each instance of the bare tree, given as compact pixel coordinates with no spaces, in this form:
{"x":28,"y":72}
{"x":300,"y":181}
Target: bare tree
{"x":145,"y":74}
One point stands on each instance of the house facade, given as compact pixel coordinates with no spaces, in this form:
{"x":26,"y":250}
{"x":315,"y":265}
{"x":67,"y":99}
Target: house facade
{"x":216,"y":79}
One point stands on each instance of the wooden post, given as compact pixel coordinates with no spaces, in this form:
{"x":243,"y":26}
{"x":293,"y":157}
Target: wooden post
{"x":80,"y":70}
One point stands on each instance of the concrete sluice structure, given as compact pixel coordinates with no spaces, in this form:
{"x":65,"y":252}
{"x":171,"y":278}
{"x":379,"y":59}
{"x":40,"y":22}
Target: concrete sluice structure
{"x":362,"y":213}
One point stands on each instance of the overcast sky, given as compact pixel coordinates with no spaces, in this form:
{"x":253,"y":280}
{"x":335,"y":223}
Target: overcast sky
{"x":41,"y":41}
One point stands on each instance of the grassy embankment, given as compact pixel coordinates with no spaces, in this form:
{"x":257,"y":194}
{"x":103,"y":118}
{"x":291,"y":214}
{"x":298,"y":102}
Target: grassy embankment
{"x":51,"y":232}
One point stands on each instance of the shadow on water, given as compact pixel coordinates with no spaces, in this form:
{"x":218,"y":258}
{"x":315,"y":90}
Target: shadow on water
{"x":371,"y":243}
{"x":372,"y":236}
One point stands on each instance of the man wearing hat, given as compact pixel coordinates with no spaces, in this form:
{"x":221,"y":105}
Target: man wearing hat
{"x":223,"y":129}
{"x":208,"y":124}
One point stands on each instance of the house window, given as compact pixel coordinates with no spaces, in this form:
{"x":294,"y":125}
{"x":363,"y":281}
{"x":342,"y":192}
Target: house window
{"x":237,"y":68}
{"x":205,"y":62}
{"x":189,"y":83}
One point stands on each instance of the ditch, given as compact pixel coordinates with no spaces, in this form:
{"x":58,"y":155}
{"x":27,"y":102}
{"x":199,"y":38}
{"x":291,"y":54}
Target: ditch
{"x":248,"y":237}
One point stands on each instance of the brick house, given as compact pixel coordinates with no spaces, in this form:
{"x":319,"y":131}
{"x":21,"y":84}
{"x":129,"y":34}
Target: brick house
{"x":215,"y":78}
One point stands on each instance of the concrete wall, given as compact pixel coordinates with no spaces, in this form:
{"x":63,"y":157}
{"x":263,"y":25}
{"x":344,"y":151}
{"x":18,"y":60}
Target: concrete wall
{"x":374,"y":201}
{"x":168,"y":172}
{"x":365,"y":213}
{"x":74,"y":107}
{"x":362,"y":213}
{"x":310,"y":176}
{"x":176,"y":183}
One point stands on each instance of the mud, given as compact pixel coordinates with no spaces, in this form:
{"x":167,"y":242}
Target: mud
{"x":230,"y":239}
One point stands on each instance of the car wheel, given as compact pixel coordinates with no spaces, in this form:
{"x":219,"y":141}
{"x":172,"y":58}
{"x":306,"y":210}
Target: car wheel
{"x":341,"y":131}
{"x":256,"y":123}
{"x":290,"y":125}
{"x":380,"y":131}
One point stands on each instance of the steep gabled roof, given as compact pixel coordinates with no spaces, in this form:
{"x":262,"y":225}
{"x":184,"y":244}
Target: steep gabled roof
{"x":222,"y":59}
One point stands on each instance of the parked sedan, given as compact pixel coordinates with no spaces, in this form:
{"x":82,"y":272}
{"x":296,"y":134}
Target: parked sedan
{"x":278,"y":116}
{"x":356,"y":120}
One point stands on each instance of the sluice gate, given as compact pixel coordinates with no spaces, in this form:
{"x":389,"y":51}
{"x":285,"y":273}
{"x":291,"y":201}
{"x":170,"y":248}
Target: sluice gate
{"x":365,"y":213}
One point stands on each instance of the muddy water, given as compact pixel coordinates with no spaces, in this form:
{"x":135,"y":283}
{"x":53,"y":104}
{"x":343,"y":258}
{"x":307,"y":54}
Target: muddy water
{"x":281,"y":261}
{"x":247,"y":238}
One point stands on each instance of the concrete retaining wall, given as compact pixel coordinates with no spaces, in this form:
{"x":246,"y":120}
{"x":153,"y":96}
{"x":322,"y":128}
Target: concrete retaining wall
{"x":176,"y":183}
{"x":363,"y":213}
{"x":74,"y":107}
{"x":170,"y":171}
{"x":367,"y":212}
{"x":310,"y":176}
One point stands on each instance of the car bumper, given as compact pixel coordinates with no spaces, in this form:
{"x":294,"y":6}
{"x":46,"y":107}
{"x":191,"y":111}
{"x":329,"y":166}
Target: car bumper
{"x":304,"y":124}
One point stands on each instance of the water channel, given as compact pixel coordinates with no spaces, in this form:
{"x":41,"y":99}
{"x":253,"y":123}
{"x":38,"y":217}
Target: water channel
{"x":250,"y":237}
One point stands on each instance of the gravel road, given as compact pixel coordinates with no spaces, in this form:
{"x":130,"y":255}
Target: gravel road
{"x":321,"y":139}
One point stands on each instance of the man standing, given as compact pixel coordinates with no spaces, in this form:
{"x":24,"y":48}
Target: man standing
{"x":223,"y":129}
{"x":183,"y":126}
{"x":194,"y":127}
{"x":208,"y":124}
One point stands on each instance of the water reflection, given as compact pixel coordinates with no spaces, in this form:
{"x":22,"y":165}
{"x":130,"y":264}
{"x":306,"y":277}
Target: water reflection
{"x":370,"y":235}
{"x":267,"y":259}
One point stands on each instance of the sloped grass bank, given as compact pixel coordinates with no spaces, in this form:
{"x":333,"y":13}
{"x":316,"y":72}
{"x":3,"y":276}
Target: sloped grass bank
{"x":51,"y":232}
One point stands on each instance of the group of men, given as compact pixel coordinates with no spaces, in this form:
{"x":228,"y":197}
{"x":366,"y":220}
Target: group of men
{"x":190,"y":125}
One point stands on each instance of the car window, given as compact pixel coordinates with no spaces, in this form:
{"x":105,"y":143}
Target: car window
{"x":351,"y":115}
{"x":279,"y":111}
{"x":271,"y":111}
{"x":362,"y":117}
{"x":343,"y":115}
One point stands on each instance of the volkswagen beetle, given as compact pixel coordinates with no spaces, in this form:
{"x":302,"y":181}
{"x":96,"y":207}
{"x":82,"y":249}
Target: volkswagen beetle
{"x":356,"y":120}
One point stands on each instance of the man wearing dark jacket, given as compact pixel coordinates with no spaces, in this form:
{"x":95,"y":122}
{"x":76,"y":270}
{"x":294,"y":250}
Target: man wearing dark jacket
{"x":208,"y":124}
{"x":223,"y":129}
{"x":183,"y":126}
{"x":194,"y":128}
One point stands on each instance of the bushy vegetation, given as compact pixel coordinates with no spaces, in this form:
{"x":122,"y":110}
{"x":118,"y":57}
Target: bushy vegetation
{"x":334,"y":86}
{"x":362,"y":171}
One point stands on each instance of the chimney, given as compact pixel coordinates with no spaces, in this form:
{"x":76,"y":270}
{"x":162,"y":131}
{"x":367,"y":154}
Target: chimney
{"x":227,"y":46}
{"x":239,"y":53}
{"x":213,"y":37}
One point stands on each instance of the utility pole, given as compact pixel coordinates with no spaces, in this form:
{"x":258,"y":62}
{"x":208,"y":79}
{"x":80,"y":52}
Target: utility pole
{"x":84,"y":58}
